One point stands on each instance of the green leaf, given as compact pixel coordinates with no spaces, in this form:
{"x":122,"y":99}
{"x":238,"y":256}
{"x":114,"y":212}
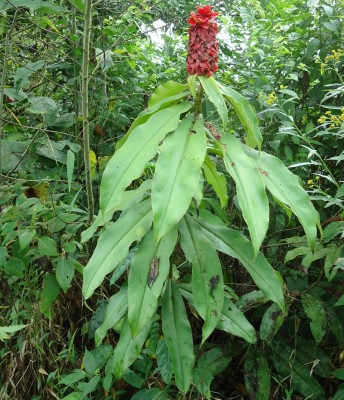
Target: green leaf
{"x":210,"y":364}
{"x":177,"y":174}
{"x":250,"y":187}
{"x":6,"y":330}
{"x":288,"y":366}
{"x":79,"y":4}
{"x":74,"y":396}
{"x":233,"y":321}
{"x":339,"y":302}
{"x":272,"y":320}
{"x":246,"y":115}
{"x":113,"y":245}
{"x":285,"y":187}
{"x":41,"y":105}
{"x":178,"y":335}
{"x":70,"y":168}
{"x":26,"y":238}
{"x":142,"y":297}
{"x":21,"y":77}
{"x":192,"y":85}
{"x":15,"y":266}
{"x":146,"y":114}
{"x":150,"y":394}
{"x":129,"y":161}
{"x":338,"y":373}
{"x":214,"y":94}
{"x":257,"y":375}
{"x":47,"y":247}
{"x":236,"y":245}
{"x":49,"y":293}
{"x":114,"y":312}
{"x":129,"y":199}
{"x":216,"y":180}
{"x":128,"y":348}
{"x":315,"y":311}
{"x":64,"y":273}
{"x":168,"y":89}
{"x":164,"y":362}
{"x":207,"y":279}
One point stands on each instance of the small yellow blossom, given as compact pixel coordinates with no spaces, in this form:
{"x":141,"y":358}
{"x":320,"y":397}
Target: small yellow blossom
{"x":272,"y":98}
{"x":328,"y":112}
{"x":322,"y":119}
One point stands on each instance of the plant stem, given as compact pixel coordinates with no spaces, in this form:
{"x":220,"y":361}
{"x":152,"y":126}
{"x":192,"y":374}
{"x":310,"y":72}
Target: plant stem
{"x":85,"y":110}
{"x":198,"y":101}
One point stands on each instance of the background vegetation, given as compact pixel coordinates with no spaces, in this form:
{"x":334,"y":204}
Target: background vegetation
{"x":287,"y":59}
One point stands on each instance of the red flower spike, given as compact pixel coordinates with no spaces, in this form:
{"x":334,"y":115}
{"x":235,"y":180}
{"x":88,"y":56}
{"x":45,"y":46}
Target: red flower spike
{"x":203,"y":48}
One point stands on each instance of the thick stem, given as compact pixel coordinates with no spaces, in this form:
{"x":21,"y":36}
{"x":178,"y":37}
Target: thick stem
{"x":85,"y":110}
{"x":198,"y":101}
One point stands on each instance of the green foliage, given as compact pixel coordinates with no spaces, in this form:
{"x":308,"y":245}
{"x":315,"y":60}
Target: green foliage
{"x":199,"y":281}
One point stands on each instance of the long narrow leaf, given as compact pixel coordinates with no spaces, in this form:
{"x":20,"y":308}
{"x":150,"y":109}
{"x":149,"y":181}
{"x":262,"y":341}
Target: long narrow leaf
{"x":246,"y":115}
{"x":146,"y":114}
{"x":216,"y":180}
{"x":128,"y":162}
{"x":214,"y":94}
{"x":143,"y":293}
{"x":207,"y":279}
{"x":250,"y":186}
{"x":234,"y":244}
{"x":178,"y":335}
{"x":128,"y":348}
{"x":115,"y":310}
{"x":177,"y":174}
{"x":285,"y":187}
{"x":113,"y":245}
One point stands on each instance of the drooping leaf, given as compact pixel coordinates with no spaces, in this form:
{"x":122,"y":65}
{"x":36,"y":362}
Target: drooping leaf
{"x":129,"y":199}
{"x":128,"y":162}
{"x":210,"y":364}
{"x":64,"y":273}
{"x":246,"y":115}
{"x":128,"y":348}
{"x":113,"y":245}
{"x":250,"y":187}
{"x":285,"y":187}
{"x":26,"y":238}
{"x":146,"y":114}
{"x":166,"y":90}
{"x":272,"y":320}
{"x":115,"y":310}
{"x":233,"y":321}
{"x":164,"y":361}
{"x":217,"y":180}
{"x":41,"y":105}
{"x":288,"y":365}
{"x":22,"y":75}
{"x":142,"y":297}
{"x":236,"y":245}
{"x":257,"y":375}
{"x":214,"y":94}
{"x":177,"y":174}
{"x":207,"y":278}
{"x":178,"y":335}
{"x":315,"y":311}
{"x":49,"y":293}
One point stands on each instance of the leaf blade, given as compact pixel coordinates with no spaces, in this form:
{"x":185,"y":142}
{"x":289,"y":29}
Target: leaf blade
{"x":177,"y":174}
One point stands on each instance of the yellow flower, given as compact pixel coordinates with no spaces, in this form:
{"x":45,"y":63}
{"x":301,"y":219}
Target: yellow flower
{"x":272,"y":98}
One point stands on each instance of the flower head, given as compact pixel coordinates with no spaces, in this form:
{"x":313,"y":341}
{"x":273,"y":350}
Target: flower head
{"x":203,"y":47}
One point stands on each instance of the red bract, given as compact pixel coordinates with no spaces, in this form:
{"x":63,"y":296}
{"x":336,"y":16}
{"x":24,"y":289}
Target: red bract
{"x":203,"y":47}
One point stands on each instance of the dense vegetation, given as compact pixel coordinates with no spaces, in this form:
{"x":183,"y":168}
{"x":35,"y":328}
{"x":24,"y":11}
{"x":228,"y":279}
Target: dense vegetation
{"x":214,"y":276}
